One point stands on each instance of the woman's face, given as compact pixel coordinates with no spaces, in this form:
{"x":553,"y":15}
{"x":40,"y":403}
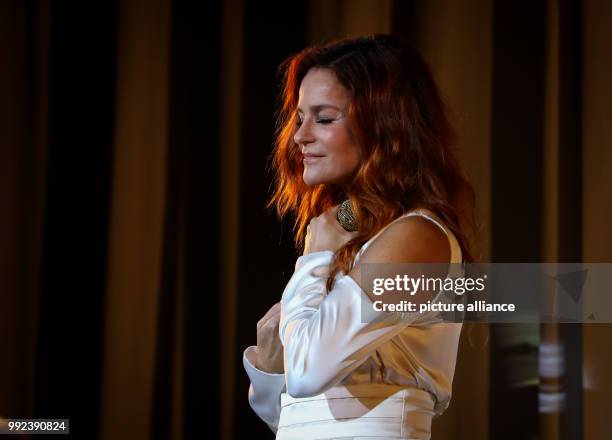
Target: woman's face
{"x":330,"y":153}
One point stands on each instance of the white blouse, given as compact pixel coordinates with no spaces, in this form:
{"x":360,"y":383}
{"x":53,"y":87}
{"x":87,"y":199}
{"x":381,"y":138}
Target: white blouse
{"x":326,"y":345}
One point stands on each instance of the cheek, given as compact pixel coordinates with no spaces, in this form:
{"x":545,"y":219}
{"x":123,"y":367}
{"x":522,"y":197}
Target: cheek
{"x":342,"y":148}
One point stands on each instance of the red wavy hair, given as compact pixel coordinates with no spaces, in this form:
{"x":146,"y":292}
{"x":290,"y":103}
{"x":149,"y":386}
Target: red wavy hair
{"x":402,"y":127}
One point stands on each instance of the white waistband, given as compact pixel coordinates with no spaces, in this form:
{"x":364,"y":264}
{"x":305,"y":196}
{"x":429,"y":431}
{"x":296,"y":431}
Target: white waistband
{"x":358,"y":411}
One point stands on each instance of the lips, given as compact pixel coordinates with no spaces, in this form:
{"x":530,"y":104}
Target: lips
{"x":309,"y":157}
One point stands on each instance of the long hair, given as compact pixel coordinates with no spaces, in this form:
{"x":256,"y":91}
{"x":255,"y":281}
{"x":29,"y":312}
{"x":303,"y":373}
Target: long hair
{"x":402,"y":127}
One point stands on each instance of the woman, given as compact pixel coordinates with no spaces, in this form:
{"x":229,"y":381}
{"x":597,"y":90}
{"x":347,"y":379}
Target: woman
{"x":362,"y":121}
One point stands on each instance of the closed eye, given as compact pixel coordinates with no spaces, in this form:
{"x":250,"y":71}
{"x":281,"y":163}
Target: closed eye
{"x":319,"y":121}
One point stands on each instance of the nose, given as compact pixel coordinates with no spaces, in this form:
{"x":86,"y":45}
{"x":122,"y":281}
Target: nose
{"x":303,"y":134}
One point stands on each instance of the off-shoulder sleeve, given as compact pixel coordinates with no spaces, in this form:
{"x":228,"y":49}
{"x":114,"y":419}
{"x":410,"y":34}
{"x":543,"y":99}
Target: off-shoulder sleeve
{"x":323,"y":336}
{"x":264,"y":391}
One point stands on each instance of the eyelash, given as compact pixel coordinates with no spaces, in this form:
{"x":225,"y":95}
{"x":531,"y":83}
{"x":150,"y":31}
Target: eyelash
{"x":319,"y":121}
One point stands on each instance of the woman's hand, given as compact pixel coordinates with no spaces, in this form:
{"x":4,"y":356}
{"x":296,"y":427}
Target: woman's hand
{"x":269,"y":348}
{"x":324,"y":233}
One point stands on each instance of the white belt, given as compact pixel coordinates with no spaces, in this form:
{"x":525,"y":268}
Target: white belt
{"x":358,"y":411}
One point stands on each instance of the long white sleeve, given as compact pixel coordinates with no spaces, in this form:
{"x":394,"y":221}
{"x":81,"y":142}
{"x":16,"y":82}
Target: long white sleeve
{"x":323,"y":337}
{"x":264,"y":391}
{"x":266,"y":388}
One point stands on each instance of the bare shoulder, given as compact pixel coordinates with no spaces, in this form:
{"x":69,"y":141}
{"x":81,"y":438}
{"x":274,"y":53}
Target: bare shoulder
{"x":412,"y":239}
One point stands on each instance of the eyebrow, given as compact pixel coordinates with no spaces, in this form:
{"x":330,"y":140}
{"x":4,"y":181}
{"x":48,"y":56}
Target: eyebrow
{"x":319,"y":107}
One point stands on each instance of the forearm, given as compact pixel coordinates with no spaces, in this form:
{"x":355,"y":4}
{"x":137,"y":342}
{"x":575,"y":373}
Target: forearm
{"x":323,"y":335}
{"x":264,"y":390}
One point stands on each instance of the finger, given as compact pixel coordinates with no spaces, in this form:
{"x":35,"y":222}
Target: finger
{"x":273,"y":312}
{"x":332,"y":214}
{"x":275,"y":315}
{"x":333,"y":211}
{"x":273,"y":322}
{"x":264,"y":319}
{"x":270,"y":330}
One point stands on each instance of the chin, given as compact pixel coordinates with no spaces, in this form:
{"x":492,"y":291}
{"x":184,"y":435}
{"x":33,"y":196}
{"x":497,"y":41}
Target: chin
{"x":313,"y":178}
{"x":312,"y":181}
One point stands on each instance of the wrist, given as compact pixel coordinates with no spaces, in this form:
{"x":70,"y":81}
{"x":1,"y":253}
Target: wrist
{"x":255,"y":359}
{"x":263,"y":366}
{"x":321,"y":257}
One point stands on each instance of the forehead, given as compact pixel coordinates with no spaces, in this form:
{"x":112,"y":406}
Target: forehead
{"x":320,"y":86}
